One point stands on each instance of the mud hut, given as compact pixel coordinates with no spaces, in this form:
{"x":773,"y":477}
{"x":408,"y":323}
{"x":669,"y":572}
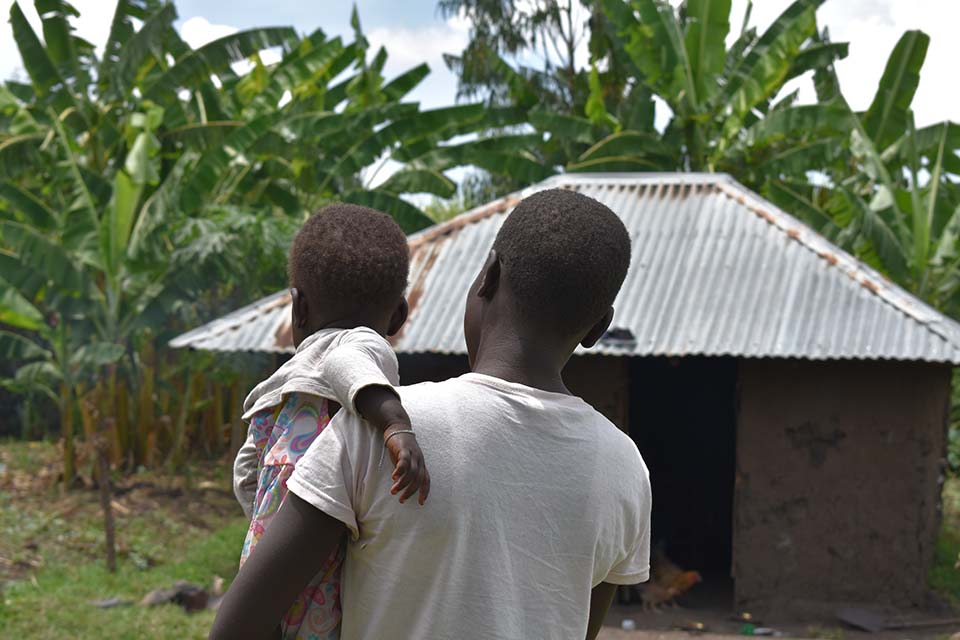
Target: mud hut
{"x":791,"y":402}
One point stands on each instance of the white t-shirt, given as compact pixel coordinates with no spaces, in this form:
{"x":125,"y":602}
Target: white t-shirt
{"x":535,"y":499}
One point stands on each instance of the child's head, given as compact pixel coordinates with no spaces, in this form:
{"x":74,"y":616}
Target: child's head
{"x":348,"y":267}
{"x":560,"y":258}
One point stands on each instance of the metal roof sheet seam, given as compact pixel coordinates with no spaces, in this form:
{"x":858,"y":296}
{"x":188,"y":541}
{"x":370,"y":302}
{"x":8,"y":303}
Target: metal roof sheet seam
{"x":715,"y":270}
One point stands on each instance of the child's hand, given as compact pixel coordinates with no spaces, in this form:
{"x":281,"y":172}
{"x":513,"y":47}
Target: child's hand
{"x":410,"y":471}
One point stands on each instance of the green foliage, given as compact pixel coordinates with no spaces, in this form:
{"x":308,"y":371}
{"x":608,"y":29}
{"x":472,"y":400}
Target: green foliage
{"x":944,"y":576}
{"x":157,"y":187}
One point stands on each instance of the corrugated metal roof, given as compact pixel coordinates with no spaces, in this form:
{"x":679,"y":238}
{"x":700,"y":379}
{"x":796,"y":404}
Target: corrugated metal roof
{"x":716,"y":270}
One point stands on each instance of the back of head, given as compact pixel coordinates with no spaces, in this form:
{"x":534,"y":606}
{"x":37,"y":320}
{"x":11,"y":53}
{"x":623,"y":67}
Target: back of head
{"x":350,"y":258}
{"x":564,"y":256}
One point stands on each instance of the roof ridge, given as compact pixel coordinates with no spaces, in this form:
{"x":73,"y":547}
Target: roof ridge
{"x":856,"y":270}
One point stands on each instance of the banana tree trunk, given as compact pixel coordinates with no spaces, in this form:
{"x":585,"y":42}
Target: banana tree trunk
{"x":66,"y":430}
{"x":174,"y":457}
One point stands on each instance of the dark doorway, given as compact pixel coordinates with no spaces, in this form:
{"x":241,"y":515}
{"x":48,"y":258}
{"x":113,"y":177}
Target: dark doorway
{"x":683,"y":419}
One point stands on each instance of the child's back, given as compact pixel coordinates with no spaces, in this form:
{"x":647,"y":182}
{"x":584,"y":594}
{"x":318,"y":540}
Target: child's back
{"x":348,"y":269}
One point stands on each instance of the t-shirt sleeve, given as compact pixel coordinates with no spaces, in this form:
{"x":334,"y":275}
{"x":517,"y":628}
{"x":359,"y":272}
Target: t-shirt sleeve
{"x":634,"y":564}
{"x":327,"y":476}
{"x":245,"y":475}
{"x":362,"y":359}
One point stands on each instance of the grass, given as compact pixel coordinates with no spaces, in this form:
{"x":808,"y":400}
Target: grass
{"x":55,"y":603}
{"x":51,"y":548}
{"x":186,"y":527}
{"x":944,"y":577}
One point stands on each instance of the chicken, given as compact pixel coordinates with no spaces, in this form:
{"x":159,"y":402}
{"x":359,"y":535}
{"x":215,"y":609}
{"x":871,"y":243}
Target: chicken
{"x":664,"y":570}
{"x":668,"y":582}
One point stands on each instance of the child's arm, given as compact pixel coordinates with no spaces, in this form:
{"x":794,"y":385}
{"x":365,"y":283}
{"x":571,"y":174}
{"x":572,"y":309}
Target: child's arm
{"x":380,"y":406}
{"x":245,"y":475}
{"x":361,"y":372}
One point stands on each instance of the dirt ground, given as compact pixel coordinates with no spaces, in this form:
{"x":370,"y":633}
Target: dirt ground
{"x":709,"y":606}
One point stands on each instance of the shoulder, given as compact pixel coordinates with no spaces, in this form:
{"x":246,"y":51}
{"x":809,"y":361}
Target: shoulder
{"x":427,"y":393}
{"x":362,"y":336}
{"x":619,"y":451}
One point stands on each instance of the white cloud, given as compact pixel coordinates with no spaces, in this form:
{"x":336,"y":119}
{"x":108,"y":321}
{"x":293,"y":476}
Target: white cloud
{"x":408,"y":47}
{"x":198,"y":31}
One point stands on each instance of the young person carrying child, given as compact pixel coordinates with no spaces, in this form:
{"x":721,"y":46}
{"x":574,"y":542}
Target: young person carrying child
{"x":348,"y":270}
{"x":541,"y":505}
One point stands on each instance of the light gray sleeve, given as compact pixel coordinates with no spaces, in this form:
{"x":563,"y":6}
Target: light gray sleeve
{"x":633,"y":565}
{"x":363,"y":359}
{"x":326,"y":476}
{"x":245,"y":475}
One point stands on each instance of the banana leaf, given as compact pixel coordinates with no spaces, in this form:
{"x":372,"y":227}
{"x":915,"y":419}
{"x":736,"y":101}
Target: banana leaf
{"x":138,"y":47}
{"x":420,"y":181}
{"x":405,"y":82}
{"x":708,"y":23}
{"x":16,"y":311}
{"x":18,"y":154}
{"x":659,"y":51}
{"x":799,"y":18}
{"x":614,"y":163}
{"x":71,"y":54}
{"x":886,"y":118}
{"x":804,"y":121}
{"x":121,"y":30}
{"x":39,"y":252}
{"x":790,"y":197}
{"x":565,"y":126}
{"x":211,"y":168}
{"x":96,"y":354}
{"x":43,"y":72}
{"x":30,"y":208}
{"x":197,"y":65}
{"x":15,"y":347}
{"x":817,"y":56}
{"x":645,"y":147}
{"x":410,"y":218}
{"x":767,"y":66}
{"x":201,"y":135}
{"x":297,"y":70}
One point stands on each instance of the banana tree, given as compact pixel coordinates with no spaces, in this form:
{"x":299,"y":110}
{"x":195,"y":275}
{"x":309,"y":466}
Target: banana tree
{"x":722,"y":101}
{"x":148,"y":187}
{"x":894,"y":200}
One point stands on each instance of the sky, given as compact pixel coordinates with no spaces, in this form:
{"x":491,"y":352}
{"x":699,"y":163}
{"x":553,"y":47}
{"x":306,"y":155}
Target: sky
{"x":413,"y":32}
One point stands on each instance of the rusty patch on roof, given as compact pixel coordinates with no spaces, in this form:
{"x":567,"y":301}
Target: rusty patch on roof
{"x":870,"y":286}
{"x":283,"y":337}
{"x":416,"y":287}
{"x":829,"y":257}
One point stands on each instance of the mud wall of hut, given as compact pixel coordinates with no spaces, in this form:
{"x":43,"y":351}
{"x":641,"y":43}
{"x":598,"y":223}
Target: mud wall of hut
{"x":838,"y":481}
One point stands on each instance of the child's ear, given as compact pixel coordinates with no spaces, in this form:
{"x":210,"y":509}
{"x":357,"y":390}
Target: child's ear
{"x":596,"y":331}
{"x":399,"y":317}
{"x":489,"y":276}
{"x":299,"y":308}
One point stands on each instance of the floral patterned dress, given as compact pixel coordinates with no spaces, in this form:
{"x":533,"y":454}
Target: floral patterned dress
{"x":283,"y":434}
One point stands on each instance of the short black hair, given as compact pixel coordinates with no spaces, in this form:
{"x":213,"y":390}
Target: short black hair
{"x":350,"y":257}
{"x":565,"y":256}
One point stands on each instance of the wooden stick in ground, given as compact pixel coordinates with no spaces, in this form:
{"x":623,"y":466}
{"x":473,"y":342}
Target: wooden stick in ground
{"x":106,"y":499}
